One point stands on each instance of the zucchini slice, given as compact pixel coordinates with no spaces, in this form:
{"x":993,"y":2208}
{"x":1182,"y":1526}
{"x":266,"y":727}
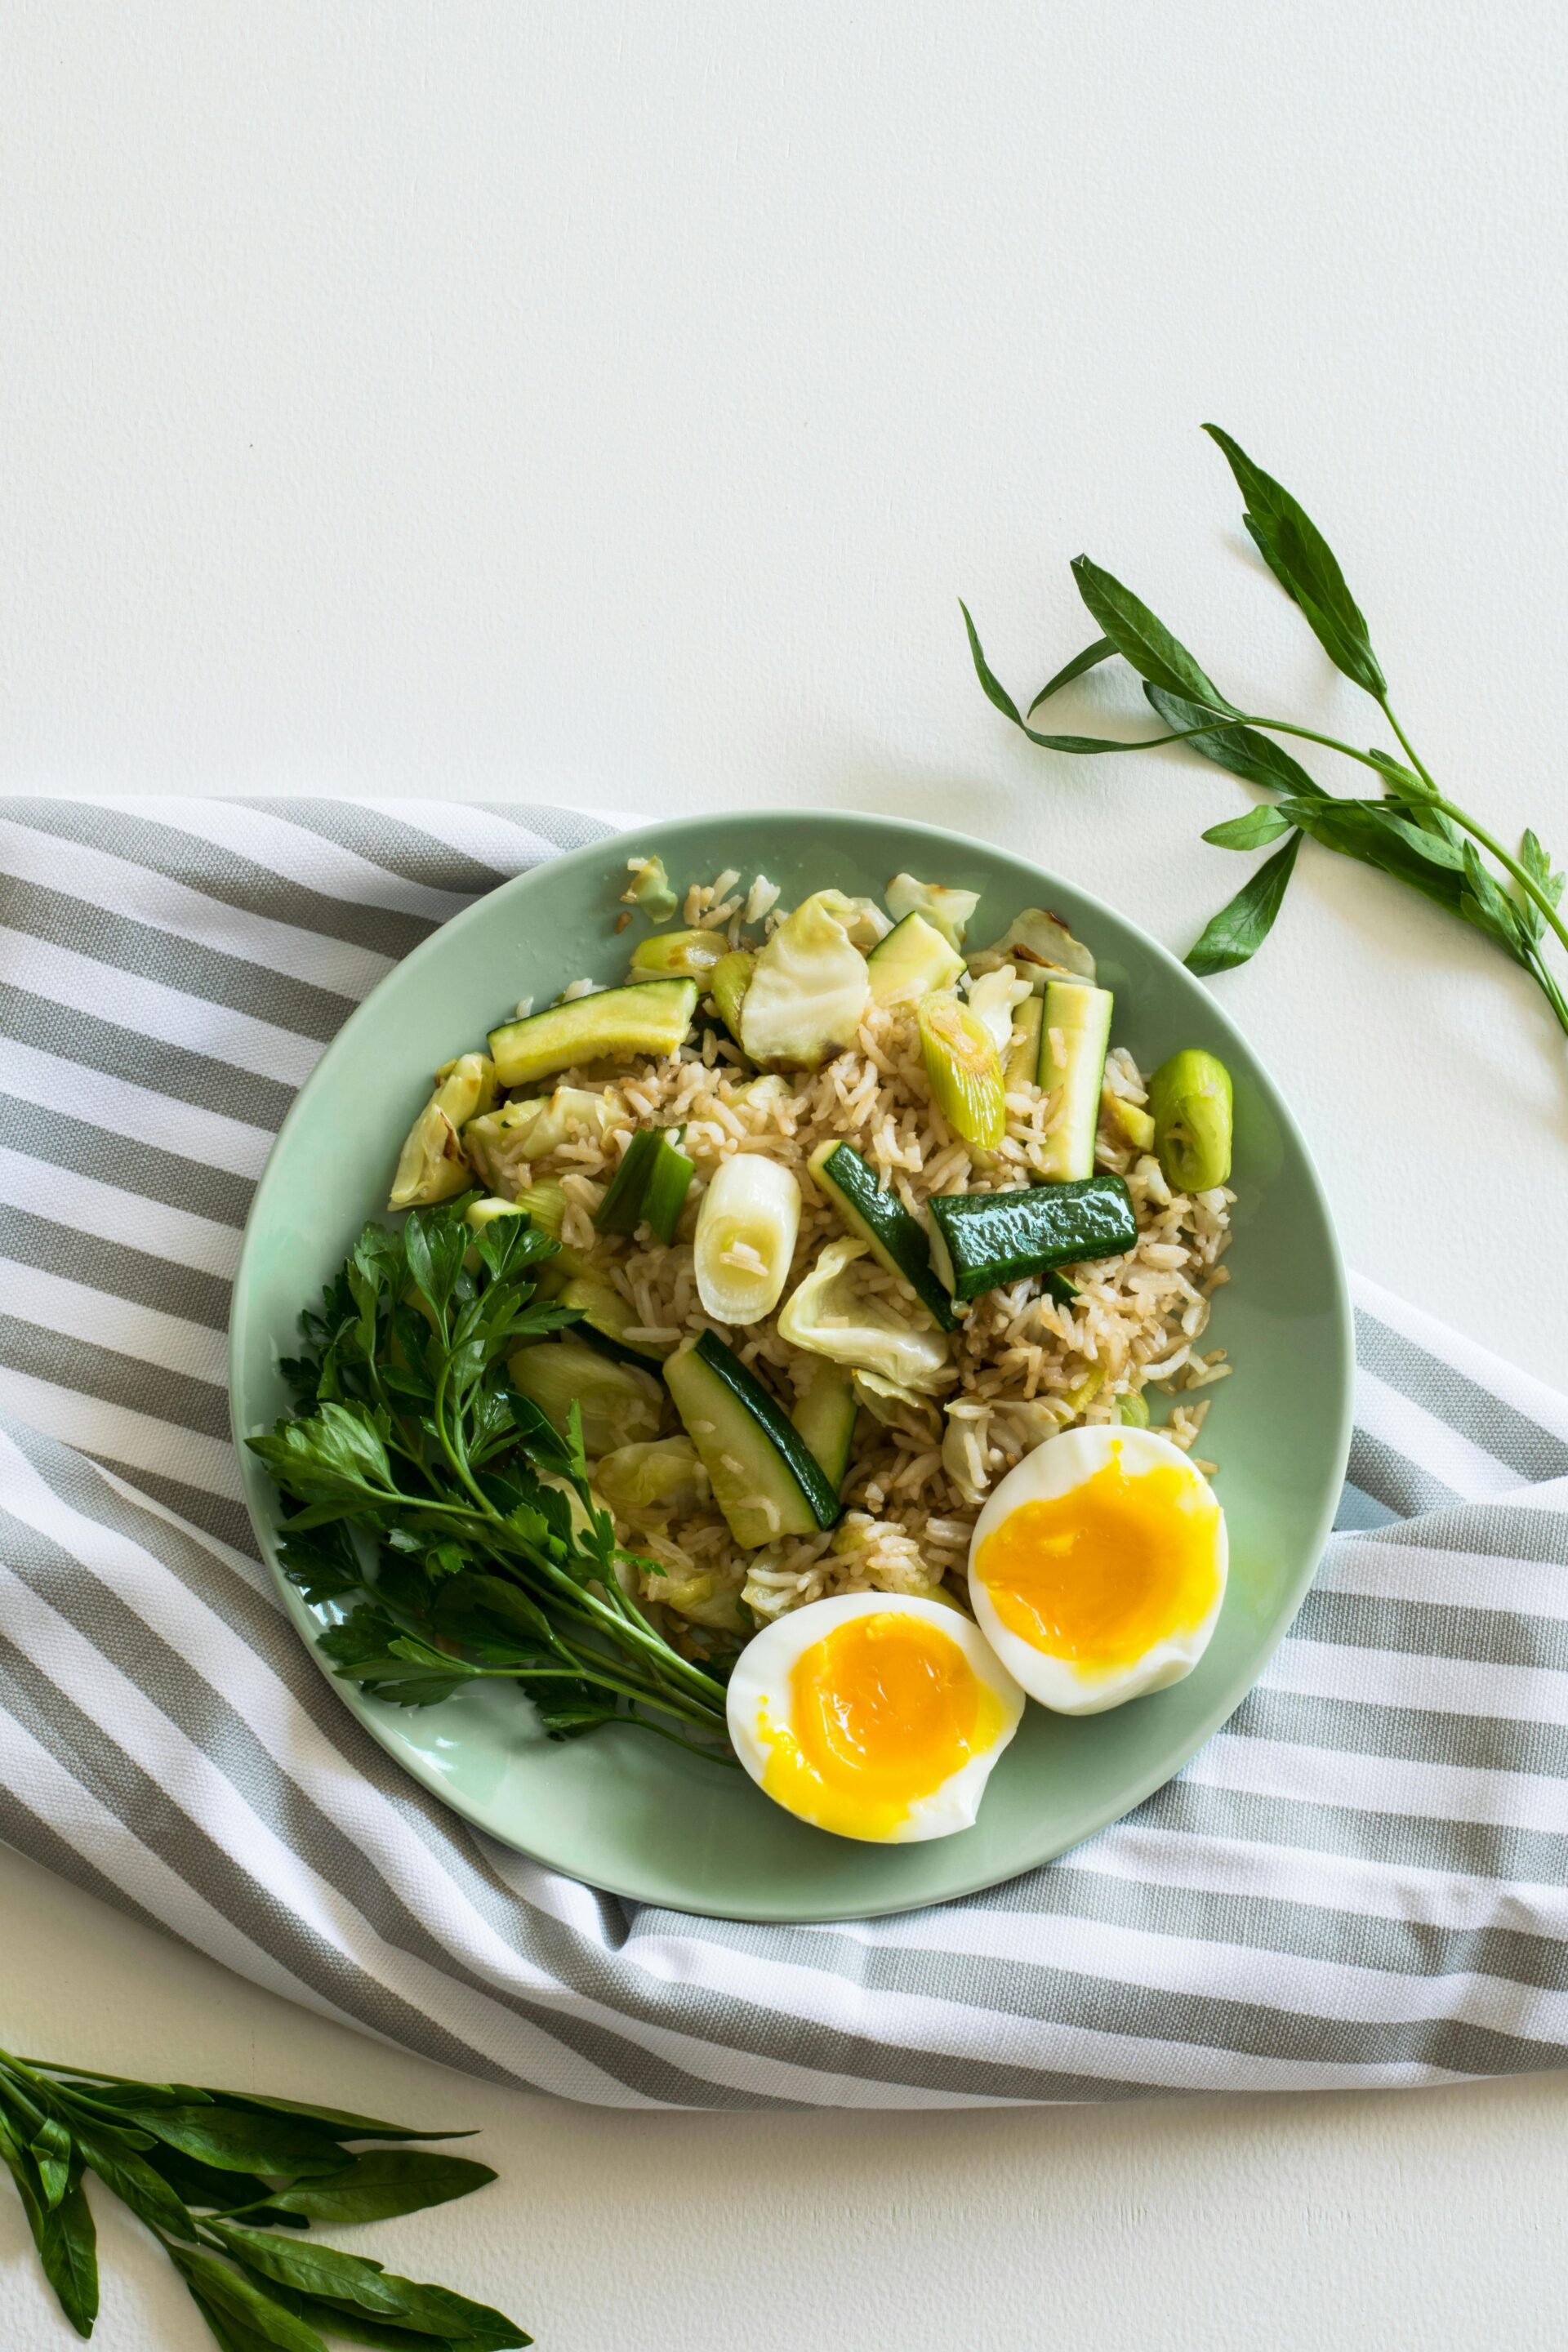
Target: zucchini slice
{"x":1080,"y":1016}
{"x":615,"y":1025}
{"x":825,"y":1416}
{"x":882,"y":1220}
{"x":910,"y":962}
{"x":765,"y":1478}
{"x":607,"y":1319}
{"x":982,"y":1241}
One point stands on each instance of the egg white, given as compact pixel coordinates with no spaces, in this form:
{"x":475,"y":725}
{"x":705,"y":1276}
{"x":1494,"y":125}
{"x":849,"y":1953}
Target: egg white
{"x":760,"y":1693}
{"x":1054,"y":1469}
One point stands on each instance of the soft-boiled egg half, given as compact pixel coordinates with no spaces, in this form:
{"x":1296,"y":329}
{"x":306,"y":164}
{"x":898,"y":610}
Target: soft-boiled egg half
{"x":1098,"y":1567}
{"x":875,"y":1716}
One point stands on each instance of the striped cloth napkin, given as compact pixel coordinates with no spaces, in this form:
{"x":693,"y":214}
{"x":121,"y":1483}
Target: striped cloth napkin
{"x":1362,"y":1880}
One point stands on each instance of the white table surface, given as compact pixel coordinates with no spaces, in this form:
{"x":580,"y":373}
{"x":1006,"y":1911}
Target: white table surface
{"x":607,"y":404}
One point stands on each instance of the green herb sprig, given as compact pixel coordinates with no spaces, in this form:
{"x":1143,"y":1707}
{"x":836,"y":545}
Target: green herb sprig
{"x":215,"y":2176}
{"x":441,"y":1511}
{"x":1411,"y":830}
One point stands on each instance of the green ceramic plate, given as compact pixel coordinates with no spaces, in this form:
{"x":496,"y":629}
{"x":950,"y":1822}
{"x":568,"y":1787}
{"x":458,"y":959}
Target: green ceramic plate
{"x":644,"y":1819}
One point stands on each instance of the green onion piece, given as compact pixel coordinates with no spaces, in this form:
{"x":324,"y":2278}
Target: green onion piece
{"x":663,"y":1194}
{"x":1133,"y":1410}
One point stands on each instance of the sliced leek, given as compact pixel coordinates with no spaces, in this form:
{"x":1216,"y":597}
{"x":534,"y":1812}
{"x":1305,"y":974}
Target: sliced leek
{"x":619,"y":1404}
{"x":964,"y":1070}
{"x":746,"y":1230}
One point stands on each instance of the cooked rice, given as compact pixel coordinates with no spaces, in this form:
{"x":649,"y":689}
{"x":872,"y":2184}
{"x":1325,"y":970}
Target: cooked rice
{"x":1023,"y":1366}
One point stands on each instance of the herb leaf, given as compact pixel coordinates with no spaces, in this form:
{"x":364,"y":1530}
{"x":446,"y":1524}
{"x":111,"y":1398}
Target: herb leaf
{"x":1239,"y":930}
{"x":1103,"y":649}
{"x":382,"y":2184}
{"x":1144,"y":641}
{"x":1241,"y":750}
{"x":1305,"y":566}
{"x":1256,"y":830}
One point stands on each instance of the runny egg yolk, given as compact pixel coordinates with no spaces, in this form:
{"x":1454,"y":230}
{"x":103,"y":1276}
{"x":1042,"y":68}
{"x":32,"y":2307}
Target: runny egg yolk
{"x":883,"y":1710}
{"x":1102,"y":1573}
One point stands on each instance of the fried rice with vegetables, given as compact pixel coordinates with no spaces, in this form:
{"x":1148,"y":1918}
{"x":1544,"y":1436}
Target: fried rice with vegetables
{"x":682,"y":1159}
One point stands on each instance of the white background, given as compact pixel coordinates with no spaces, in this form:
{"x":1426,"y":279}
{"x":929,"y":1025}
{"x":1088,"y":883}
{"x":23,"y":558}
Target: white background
{"x":607,"y":404}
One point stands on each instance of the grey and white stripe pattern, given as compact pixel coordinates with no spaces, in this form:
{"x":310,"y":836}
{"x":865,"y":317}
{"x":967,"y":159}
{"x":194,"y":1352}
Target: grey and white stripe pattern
{"x":1362,"y":1880}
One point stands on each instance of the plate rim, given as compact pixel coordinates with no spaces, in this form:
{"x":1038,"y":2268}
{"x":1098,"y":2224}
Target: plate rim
{"x":255,"y":1483}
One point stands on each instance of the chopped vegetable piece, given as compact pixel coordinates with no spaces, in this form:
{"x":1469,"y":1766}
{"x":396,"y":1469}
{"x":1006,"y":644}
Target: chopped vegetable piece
{"x":676,"y":955}
{"x":825,"y":1416}
{"x":765,"y":1478}
{"x":808,"y":988}
{"x":746,"y":1230}
{"x":882,"y":1220}
{"x":727,"y":984}
{"x":982,"y":1241}
{"x":1134,"y":1126}
{"x":432,"y":1165}
{"x":482,"y":1212}
{"x":910,"y":962}
{"x":897,"y":1407}
{"x":650,"y":1187}
{"x":948,"y":911}
{"x":1021,"y":1067}
{"x":619,"y":1404}
{"x":649,"y":889}
{"x":1042,"y":946}
{"x":1057,"y":1286}
{"x":1190,"y":1096}
{"x":660,"y":1475}
{"x":1132,"y":1410}
{"x":1074,"y":1034}
{"x":664,"y":1193}
{"x":964,"y":1070}
{"x":502,"y":1143}
{"x":994,"y":998}
{"x":607,"y":1318}
{"x":830,"y":1313}
{"x":615,"y":1025}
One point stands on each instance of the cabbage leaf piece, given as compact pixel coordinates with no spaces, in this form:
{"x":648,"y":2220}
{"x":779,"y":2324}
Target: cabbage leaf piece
{"x":948,"y":911}
{"x":433,"y":1165}
{"x":809,"y":986}
{"x":1043,"y":948}
{"x":832,"y":1314}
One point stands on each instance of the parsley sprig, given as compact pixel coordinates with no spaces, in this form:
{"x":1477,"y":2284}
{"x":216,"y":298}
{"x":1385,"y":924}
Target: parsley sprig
{"x":1411,"y":830}
{"x":438,"y":1508}
{"x":215,"y":2176}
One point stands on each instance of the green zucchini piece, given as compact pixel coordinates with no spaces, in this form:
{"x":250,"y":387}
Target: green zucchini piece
{"x":983,"y":1241}
{"x":615,"y":1025}
{"x":825,"y":1416}
{"x":1080,"y":1017}
{"x":1057,"y":1286}
{"x":765,"y":1478}
{"x":607,"y":1318}
{"x":1021,"y":1065}
{"x":912,"y":959}
{"x":882,"y":1220}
